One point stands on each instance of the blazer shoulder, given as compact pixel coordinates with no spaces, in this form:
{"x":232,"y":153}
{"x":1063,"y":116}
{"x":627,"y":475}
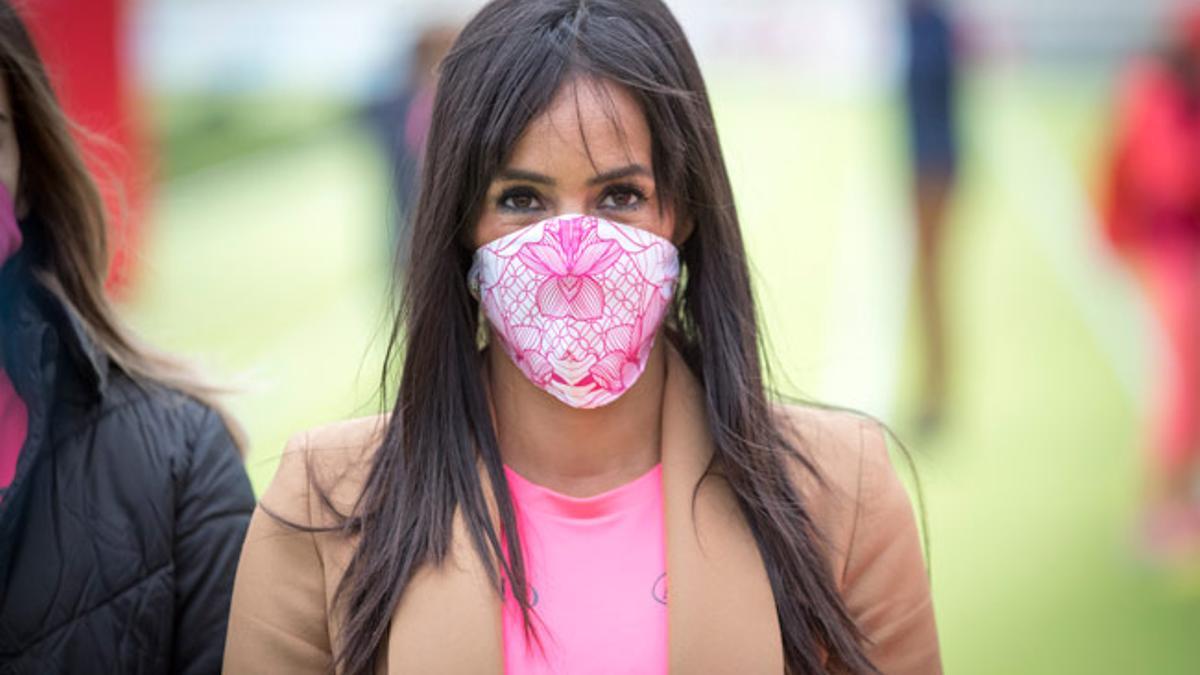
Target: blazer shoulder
{"x":331,"y":460}
{"x":837,"y":443}
{"x":846,"y":451}
{"x":295,"y":553}
{"x":862,"y":510}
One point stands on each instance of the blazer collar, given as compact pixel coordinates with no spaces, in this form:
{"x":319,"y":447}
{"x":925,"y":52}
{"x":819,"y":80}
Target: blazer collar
{"x":720,"y":609}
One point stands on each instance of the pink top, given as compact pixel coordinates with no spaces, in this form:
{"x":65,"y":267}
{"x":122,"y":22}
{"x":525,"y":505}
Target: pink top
{"x":597,"y":571}
{"x":14,"y":425}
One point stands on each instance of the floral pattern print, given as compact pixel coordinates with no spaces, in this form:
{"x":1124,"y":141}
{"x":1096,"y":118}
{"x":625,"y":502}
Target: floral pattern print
{"x":576,"y":301}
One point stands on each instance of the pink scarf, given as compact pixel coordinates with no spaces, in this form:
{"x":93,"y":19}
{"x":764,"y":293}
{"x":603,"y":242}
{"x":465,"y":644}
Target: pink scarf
{"x":14,"y":417}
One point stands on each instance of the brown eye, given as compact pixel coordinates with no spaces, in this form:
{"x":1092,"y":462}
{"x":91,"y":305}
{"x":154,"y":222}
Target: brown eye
{"x":519,"y":200}
{"x":622,"y":198}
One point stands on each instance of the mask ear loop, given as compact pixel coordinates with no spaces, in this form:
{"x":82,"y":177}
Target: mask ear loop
{"x":672,"y":322}
{"x":482,"y":334}
{"x":483,"y":331}
{"x":483,"y":343}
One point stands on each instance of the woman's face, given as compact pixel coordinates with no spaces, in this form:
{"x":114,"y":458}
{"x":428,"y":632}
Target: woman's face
{"x":10,"y":153}
{"x":588,"y":153}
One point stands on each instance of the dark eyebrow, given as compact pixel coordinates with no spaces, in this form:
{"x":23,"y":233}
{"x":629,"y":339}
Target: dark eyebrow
{"x":607,"y":176}
{"x":521,"y":174}
{"x":618,"y":174}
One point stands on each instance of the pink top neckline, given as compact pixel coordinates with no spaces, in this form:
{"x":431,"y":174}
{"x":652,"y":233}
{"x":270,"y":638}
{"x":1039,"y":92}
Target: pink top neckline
{"x":548,"y":502}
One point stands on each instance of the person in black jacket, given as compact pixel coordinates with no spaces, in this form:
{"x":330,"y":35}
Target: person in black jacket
{"x":123,"y":498}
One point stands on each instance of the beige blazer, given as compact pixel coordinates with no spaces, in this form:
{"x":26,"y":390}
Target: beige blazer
{"x":721,"y":613}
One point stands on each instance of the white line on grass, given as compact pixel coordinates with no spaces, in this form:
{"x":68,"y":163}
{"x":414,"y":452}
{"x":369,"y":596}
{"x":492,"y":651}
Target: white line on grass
{"x":1057,"y":210}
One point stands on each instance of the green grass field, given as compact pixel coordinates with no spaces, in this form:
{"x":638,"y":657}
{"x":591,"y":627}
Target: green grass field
{"x":271,"y":268}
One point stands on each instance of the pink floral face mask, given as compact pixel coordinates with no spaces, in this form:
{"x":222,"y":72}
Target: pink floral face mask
{"x":10,"y":233}
{"x":575,"y":301}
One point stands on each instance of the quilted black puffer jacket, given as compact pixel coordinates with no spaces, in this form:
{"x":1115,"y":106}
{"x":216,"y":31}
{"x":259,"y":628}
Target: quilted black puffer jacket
{"x":120,"y":534}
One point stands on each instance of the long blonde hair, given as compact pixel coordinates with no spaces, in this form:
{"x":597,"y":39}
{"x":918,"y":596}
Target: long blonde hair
{"x":69,"y":247}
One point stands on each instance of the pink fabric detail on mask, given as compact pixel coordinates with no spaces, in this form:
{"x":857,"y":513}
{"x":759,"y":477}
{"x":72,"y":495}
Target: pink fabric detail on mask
{"x":10,"y":232}
{"x":576,"y":302}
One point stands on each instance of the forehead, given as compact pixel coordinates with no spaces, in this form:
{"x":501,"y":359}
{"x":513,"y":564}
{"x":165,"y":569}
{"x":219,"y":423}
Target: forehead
{"x":589,"y":123}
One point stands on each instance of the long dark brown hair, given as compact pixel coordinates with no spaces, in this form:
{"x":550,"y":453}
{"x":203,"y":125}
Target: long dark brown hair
{"x":503,"y":71}
{"x":66,"y":239}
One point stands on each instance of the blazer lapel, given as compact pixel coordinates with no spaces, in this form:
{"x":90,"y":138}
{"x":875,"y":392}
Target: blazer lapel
{"x":720,"y":608}
{"x":449,"y":620}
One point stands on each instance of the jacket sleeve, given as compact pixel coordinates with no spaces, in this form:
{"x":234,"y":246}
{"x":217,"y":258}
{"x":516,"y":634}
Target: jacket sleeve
{"x":278,"y":620}
{"x":213,"y":508}
{"x":885,"y":584}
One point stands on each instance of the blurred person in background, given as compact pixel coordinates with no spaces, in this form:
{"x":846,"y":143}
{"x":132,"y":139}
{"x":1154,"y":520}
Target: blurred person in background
{"x":86,"y":49}
{"x":930,"y":94}
{"x":123,"y":498}
{"x":1153,"y":221}
{"x":582,"y":450}
{"x":401,"y":121}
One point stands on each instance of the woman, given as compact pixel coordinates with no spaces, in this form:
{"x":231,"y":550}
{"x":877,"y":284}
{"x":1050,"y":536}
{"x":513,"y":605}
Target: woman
{"x":123,"y":500}
{"x":607,"y":465}
{"x":1153,"y":221}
